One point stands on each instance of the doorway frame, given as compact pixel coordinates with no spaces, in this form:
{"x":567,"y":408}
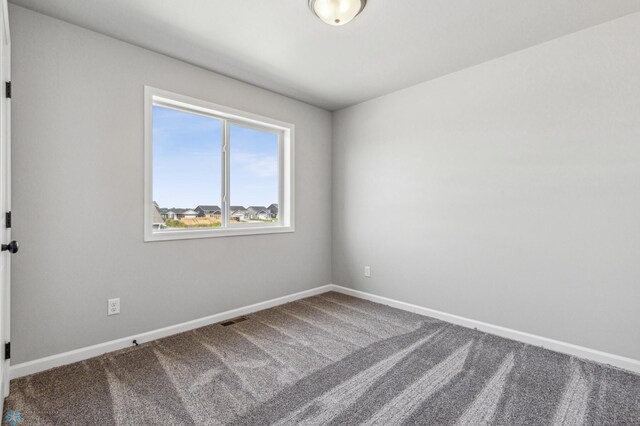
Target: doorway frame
{"x":5,"y":194}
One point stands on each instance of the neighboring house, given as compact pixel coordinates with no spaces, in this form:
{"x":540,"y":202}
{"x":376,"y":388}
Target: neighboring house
{"x":209,"y":211}
{"x":273,"y":211}
{"x":171,"y":214}
{"x":188,"y":214}
{"x":174,"y":213}
{"x":158,"y":221}
{"x":259,"y":213}
{"x":238,"y":213}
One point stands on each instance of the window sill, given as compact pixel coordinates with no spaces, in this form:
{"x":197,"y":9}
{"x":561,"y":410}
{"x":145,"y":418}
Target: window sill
{"x":214,"y":233}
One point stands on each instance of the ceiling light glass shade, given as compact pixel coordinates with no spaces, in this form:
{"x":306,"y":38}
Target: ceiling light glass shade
{"x":337,"y":12}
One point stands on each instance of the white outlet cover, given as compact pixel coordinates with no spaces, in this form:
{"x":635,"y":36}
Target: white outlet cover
{"x":367,"y":271}
{"x":113,"y":306}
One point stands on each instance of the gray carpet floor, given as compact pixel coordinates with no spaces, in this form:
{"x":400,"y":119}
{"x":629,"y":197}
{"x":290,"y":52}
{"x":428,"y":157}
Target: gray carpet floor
{"x":330,"y":359}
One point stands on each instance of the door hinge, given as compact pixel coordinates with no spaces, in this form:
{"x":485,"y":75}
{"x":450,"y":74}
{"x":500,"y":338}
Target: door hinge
{"x":7,"y":219}
{"x":7,"y":89}
{"x":7,"y":350}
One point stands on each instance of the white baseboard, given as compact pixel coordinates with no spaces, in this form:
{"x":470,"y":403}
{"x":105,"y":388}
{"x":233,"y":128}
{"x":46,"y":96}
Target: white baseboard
{"x":531,"y":339}
{"x":42,"y":364}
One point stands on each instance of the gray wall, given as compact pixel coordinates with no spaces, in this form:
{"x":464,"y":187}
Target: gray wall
{"x":78,"y":196}
{"x":507,"y":193}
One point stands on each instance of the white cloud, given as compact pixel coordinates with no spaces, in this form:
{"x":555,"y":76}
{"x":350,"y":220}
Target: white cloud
{"x":257,"y":165}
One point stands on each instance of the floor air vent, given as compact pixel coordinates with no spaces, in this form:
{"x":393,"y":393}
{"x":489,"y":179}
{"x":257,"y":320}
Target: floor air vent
{"x":233,"y":321}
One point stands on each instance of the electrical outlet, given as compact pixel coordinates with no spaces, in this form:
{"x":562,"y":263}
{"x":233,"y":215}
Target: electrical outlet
{"x":367,"y":271}
{"x":113,"y":306}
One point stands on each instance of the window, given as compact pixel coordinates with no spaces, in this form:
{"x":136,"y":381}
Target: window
{"x":213,"y":171}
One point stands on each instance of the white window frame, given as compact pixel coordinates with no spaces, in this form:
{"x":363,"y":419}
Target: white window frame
{"x":285,"y":131}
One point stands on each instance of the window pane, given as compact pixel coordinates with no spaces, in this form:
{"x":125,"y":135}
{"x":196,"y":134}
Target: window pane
{"x":254,"y":185}
{"x":187,"y":170}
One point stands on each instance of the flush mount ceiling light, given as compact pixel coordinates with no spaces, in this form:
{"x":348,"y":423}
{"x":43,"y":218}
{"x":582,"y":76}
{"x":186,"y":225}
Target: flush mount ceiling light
{"x":336,"y":12}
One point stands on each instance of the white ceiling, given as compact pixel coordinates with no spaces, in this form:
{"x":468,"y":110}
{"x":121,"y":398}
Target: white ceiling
{"x":280,"y":45}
